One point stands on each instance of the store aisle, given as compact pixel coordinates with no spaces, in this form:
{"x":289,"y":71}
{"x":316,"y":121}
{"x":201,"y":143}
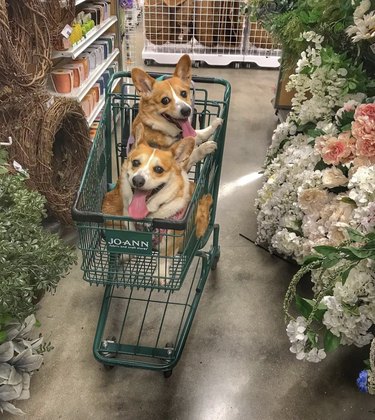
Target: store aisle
{"x":236,"y":364}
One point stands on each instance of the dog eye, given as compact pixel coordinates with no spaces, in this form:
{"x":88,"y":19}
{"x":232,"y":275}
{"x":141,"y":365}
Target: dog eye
{"x":136,"y":163}
{"x":184,"y":94}
{"x":165,"y":100}
{"x":158,"y":169}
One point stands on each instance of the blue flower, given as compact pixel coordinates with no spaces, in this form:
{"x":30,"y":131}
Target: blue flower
{"x":362,"y":381}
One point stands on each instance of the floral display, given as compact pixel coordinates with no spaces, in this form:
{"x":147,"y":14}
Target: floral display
{"x":317,"y":204}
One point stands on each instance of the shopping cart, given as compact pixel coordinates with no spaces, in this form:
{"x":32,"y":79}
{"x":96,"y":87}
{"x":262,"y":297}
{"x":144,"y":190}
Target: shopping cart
{"x":145,"y":320}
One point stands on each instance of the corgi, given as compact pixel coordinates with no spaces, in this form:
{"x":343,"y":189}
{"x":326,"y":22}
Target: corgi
{"x":154,"y":183}
{"x":165,"y":108}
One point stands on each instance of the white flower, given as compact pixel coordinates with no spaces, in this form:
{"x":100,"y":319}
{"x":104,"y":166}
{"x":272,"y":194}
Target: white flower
{"x":295,"y":330}
{"x":315,"y":355}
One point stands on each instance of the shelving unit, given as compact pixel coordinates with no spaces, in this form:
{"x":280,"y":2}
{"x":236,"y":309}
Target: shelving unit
{"x":107,"y":26}
{"x":80,"y":92}
{"x":92,"y":36}
{"x":100,"y":105}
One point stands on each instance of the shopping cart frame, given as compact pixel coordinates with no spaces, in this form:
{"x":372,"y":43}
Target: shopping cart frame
{"x":101,"y":264}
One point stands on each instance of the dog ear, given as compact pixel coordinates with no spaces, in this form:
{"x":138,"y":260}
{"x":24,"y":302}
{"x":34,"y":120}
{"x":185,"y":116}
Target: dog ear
{"x":183,"y":68}
{"x":142,"y":81}
{"x":182,"y":150}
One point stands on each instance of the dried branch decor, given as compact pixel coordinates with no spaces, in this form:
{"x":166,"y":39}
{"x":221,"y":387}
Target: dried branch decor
{"x":25,"y":46}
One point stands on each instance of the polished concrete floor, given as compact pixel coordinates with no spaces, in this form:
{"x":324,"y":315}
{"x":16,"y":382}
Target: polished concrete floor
{"x":236,"y":364}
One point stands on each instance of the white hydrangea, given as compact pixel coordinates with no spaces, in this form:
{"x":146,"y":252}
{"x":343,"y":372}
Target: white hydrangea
{"x":351,"y":309}
{"x":364,"y":23}
{"x":361,"y":185}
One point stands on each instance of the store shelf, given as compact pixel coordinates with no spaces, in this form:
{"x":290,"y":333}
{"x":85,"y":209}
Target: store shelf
{"x":94,"y":34}
{"x":100,"y":105}
{"x":80,"y":92}
{"x":79,"y":2}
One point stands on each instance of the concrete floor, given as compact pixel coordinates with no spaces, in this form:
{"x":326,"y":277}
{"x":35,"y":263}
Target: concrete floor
{"x":236,"y":363}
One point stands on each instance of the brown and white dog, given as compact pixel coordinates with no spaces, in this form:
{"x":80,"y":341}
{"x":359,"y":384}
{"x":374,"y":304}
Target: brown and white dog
{"x":165,"y":108}
{"x":154,"y":184}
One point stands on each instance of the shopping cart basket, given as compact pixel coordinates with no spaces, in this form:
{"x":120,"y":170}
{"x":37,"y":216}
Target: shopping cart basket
{"x":145,"y":318}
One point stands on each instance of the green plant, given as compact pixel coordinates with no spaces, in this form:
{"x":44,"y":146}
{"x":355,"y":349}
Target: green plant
{"x":31,"y":259}
{"x":20,"y":356}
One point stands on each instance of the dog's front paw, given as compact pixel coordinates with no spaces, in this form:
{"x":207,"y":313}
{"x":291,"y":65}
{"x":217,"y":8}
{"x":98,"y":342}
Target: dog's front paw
{"x":207,"y":148}
{"x":217,"y":122}
{"x":152,"y":206}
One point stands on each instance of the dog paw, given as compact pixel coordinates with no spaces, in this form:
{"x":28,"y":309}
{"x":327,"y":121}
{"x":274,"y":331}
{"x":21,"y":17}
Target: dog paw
{"x":208,"y":147}
{"x":217,"y":122}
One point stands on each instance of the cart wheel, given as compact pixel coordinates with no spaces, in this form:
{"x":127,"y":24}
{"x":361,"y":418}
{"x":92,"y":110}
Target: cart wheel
{"x":148,"y":62}
{"x":248,"y":65}
{"x":197,"y":64}
{"x":236,"y":65}
{"x":167,"y":373}
{"x":215,"y":261}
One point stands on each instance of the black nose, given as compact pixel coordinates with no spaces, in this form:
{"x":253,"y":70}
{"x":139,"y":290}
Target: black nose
{"x":185,"y":112}
{"x":138,"y":181}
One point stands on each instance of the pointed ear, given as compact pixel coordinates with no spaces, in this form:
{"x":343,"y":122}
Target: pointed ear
{"x":142,"y":81}
{"x":183,"y":69}
{"x":182,"y":150}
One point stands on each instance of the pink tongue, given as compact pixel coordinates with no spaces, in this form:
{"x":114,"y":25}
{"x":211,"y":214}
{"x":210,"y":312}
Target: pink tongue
{"x":187,"y":129}
{"x":138,"y":208}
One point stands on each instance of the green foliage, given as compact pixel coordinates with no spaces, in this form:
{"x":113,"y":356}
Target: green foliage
{"x":336,"y":264}
{"x":31,"y":259}
{"x":286,"y":20}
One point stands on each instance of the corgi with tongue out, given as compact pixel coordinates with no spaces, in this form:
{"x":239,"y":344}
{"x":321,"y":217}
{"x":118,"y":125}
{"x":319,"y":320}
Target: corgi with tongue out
{"x":165,"y":111}
{"x":159,"y":183}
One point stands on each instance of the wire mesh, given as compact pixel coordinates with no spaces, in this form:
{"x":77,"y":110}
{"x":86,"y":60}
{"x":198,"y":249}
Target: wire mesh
{"x":148,"y":327}
{"x":157,"y":253}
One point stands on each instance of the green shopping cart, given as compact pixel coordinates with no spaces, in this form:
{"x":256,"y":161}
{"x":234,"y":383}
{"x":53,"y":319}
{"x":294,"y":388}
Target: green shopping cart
{"x":144,"y":320}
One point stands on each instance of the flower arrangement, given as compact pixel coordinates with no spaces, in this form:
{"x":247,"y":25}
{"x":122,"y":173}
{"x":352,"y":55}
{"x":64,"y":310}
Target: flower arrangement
{"x":317,"y":205}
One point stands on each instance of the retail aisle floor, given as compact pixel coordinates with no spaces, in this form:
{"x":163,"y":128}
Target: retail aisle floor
{"x":236,"y":364}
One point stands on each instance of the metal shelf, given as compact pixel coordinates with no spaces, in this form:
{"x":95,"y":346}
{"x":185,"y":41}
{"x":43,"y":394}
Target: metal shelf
{"x":100,"y":105}
{"x":91,"y":36}
{"x":80,"y":92}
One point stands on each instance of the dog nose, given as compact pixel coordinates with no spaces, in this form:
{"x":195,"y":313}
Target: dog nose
{"x":185,"y":112}
{"x":138,"y":181}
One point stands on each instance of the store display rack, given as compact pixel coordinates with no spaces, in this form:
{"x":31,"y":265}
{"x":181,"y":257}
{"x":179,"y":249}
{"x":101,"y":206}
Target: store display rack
{"x":80,"y":92}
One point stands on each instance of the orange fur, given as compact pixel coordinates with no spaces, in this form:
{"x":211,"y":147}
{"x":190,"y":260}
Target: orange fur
{"x":202,"y":216}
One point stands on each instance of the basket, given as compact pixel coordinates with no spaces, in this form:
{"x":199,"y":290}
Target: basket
{"x":121,"y":251}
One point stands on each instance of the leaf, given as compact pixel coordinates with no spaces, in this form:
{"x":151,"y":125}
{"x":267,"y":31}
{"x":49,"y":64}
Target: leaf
{"x":325,"y":249}
{"x":303,"y":306}
{"x":331,"y":341}
{"x":348,"y":200}
{"x":321,"y":165}
{"x":344,"y":274}
{"x":330,"y":262}
{"x":314,"y":132}
{"x":355,"y":235}
{"x":311,"y":258}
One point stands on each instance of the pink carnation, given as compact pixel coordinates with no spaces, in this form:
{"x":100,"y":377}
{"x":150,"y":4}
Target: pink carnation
{"x":363,"y":129}
{"x":336,"y":150}
{"x":365,"y":110}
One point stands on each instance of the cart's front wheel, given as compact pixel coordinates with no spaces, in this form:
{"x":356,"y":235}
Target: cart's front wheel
{"x":148,"y":62}
{"x":167,"y":373}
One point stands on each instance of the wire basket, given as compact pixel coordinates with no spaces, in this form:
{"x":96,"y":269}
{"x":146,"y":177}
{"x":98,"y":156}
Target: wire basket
{"x":122,"y":251}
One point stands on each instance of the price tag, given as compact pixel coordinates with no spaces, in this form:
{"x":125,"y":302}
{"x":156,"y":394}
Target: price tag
{"x":66,"y":32}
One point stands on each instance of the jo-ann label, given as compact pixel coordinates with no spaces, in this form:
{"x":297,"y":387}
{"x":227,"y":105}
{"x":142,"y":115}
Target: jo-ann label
{"x":129,"y":242}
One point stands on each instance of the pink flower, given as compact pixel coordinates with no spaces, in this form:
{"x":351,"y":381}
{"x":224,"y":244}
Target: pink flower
{"x":363,"y":129}
{"x":335,"y":151}
{"x":365,"y":110}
